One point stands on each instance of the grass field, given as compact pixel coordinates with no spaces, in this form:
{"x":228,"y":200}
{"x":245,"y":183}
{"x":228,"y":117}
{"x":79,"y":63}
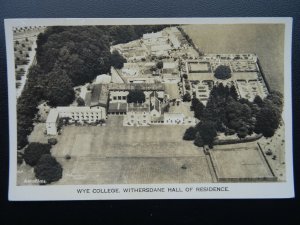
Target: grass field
{"x":114,"y":154}
{"x":240,"y":162}
{"x":266,"y":40}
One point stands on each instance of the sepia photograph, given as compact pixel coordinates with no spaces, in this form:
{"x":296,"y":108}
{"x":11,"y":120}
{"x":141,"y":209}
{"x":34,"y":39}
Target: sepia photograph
{"x":150,"y":102}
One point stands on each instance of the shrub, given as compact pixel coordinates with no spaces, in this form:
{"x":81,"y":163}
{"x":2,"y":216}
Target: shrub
{"x":80,"y":101}
{"x":159,"y":65}
{"x":187,"y":97}
{"x":52,"y":141}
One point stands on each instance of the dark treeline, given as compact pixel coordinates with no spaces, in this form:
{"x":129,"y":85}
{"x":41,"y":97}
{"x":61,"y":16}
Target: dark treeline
{"x":227,"y":114}
{"x":66,"y":57}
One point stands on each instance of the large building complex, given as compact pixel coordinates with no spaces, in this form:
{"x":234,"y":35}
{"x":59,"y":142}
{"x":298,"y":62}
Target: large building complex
{"x":165,"y":67}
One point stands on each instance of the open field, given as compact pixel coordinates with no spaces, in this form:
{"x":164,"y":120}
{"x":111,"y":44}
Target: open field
{"x":266,"y":40}
{"x":234,"y":162}
{"x":133,"y":170}
{"x":115,"y":154}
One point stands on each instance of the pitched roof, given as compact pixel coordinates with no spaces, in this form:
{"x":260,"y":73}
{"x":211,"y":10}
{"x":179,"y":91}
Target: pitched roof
{"x":138,"y":107}
{"x":154,"y":101}
{"x":117,"y":107}
{"x":99,"y":95}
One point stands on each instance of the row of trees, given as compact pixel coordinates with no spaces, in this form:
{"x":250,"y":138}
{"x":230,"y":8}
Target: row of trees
{"x":226,"y":113}
{"x":67,"y":57}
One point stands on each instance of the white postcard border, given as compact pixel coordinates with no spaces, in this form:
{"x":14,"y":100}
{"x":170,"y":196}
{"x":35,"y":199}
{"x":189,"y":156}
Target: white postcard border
{"x":70,"y":192}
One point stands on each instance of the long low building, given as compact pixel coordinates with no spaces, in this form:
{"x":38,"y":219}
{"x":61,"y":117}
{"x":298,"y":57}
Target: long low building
{"x":136,"y":86}
{"x":74,"y":114}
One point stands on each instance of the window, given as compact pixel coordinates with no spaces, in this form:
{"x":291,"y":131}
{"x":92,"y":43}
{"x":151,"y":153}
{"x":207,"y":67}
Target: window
{"x":115,"y":97}
{"x":119,"y":97}
{"x":124,"y":97}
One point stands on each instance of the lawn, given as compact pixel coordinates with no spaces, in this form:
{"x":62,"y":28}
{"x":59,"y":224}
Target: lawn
{"x":114,"y":154}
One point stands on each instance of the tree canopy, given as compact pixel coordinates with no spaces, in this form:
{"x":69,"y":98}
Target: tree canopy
{"x":187,"y":97}
{"x":59,"y":90}
{"x":117,"y":60}
{"x":267,"y":120}
{"x":48,"y":169}
{"x":190,"y":134}
{"x":198,"y":108}
{"x":224,"y":112}
{"x":136,"y":96}
{"x":223,"y":72}
{"x":34,"y":151}
{"x":207,"y":131}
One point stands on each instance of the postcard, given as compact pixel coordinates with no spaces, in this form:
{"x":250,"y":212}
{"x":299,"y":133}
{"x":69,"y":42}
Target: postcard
{"x":149,"y":108}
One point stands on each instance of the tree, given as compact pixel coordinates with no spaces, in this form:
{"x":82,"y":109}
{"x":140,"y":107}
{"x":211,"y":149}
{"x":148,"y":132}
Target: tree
{"x":223,"y":72}
{"x":187,"y":97}
{"x":242,"y":132}
{"x":258,"y":101}
{"x":276,"y":98}
{"x":267,"y":121}
{"x":207,"y":131}
{"x":198,"y":140}
{"x":159,"y":65}
{"x":187,"y":86}
{"x":59,"y":90}
{"x":48,"y":169}
{"x":135,"y":96}
{"x":52,"y":141}
{"x":80,"y":101}
{"x":190,"y":134}
{"x":233,"y":93}
{"x":34,"y":151}
{"x":117,"y":60}
{"x":198,"y":108}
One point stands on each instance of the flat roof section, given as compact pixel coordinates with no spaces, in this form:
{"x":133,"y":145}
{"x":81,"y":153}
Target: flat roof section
{"x":52,"y":116}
